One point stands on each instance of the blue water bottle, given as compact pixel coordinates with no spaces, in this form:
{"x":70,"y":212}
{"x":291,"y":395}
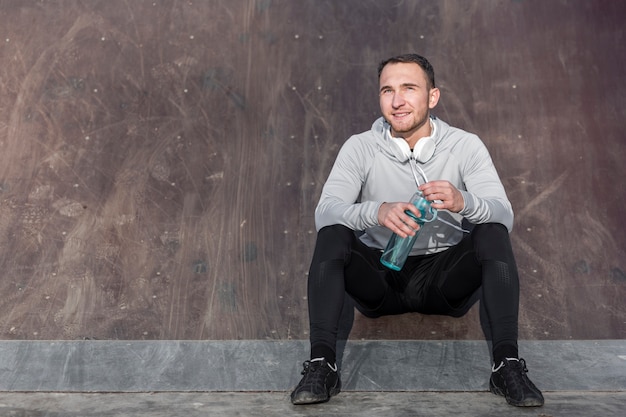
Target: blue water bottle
{"x":398,"y":248}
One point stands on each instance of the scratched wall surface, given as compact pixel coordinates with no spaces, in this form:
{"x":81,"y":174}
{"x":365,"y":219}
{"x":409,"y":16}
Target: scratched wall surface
{"x":160,"y":160}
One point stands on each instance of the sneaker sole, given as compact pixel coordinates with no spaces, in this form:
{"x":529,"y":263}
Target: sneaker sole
{"x":305,"y":398}
{"x":530,"y":402}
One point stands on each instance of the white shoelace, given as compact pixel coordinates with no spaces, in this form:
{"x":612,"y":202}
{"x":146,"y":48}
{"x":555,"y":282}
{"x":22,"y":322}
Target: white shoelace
{"x":494,"y":369}
{"x":332,"y":367}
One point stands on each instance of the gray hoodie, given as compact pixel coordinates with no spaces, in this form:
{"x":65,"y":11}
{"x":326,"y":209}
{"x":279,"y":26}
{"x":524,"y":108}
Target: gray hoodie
{"x":370,"y":170}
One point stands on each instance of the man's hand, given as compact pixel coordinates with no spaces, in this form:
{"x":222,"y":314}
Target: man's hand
{"x":443,"y":195}
{"x":393,"y":217}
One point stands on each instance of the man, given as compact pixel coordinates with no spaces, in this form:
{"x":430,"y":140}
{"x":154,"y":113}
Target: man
{"x":462,"y":256}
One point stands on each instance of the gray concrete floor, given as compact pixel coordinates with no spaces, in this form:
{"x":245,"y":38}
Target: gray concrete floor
{"x":388,"y":404}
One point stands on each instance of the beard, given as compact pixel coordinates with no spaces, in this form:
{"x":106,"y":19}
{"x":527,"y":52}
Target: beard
{"x":402,"y":128}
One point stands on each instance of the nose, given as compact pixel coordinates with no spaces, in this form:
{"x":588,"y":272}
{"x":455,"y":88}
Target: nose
{"x":397,"y":101}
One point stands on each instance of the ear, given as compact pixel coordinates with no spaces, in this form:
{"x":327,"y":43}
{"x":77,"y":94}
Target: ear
{"x":433,"y":98}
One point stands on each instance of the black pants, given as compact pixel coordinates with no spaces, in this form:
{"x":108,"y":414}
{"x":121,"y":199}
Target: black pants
{"x":481,"y":266}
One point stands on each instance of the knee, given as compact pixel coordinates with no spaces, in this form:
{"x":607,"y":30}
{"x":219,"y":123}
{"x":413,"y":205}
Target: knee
{"x":492,"y":242}
{"x":490,"y":232}
{"x":335,"y":234}
{"x":491,"y":229}
{"x":334,"y":242}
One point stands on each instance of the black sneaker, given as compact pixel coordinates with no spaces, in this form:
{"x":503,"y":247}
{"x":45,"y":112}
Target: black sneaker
{"x":319,"y":383}
{"x":510,"y":381}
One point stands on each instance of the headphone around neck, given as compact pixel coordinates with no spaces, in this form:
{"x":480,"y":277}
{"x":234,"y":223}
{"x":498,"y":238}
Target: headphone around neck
{"x":424,"y":148}
{"x":422,"y":152}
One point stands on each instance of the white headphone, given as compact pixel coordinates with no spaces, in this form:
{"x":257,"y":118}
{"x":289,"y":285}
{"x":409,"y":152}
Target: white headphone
{"x":423,"y":151}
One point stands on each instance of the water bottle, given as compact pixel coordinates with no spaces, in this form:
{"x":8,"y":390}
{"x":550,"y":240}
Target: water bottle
{"x":398,"y":248}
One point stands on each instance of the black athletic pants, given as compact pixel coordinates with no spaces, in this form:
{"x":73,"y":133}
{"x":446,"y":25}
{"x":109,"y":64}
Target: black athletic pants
{"x":481,"y":266}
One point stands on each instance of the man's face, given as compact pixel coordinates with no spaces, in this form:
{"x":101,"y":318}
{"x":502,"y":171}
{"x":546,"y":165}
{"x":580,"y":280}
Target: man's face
{"x":405,"y":100}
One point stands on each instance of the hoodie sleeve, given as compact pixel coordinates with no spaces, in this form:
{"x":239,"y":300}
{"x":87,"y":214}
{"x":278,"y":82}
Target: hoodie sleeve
{"x":339,"y":202}
{"x":484,"y":194}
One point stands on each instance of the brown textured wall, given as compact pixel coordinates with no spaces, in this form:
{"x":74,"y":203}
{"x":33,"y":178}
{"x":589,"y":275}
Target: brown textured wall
{"x":160,"y":160}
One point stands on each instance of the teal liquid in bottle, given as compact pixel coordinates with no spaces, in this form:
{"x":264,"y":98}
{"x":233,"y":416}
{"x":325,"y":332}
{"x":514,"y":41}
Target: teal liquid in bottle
{"x":397,"y":251}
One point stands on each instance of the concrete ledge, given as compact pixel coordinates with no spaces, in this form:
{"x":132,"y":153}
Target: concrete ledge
{"x":222,"y":366}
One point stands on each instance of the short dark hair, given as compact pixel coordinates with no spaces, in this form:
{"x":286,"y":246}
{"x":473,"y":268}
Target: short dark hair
{"x":411,"y":58}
